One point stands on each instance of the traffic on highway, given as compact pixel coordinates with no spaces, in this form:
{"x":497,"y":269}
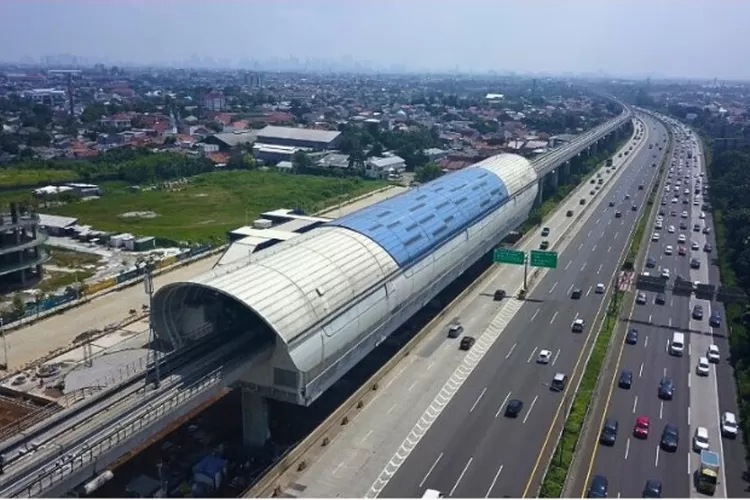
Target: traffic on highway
{"x":663,"y":428}
{"x":495,"y":435}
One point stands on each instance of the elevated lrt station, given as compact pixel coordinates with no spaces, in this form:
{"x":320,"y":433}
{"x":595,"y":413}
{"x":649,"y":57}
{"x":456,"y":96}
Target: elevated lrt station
{"x":21,"y":252}
{"x":323,"y":300}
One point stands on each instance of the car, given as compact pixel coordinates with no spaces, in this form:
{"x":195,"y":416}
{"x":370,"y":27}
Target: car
{"x":631,"y":338}
{"x":611,"y":203}
{"x":660,"y":299}
{"x":713,"y":354}
{"x":706,"y":230}
{"x":641,"y":427}
{"x":684,"y":215}
{"x":582,"y":201}
{"x":544,"y":245}
{"x":697,"y":312}
{"x":681,"y":250}
{"x":578,"y":325}
{"x":592,"y":192}
{"x":681,"y":239}
{"x":626,"y":379}
{"x":608,"y":436}
{"x":659,"y":225}
{"x":627,"y":196}
{"x":665,"y":273}
{"x":702,"y":215}
{"x":513,"y":408}
{"x":729,"y":427}
{"x":668,"y":250}
{"x":634,"y":208}
{"x":543,"y":357}
{"x":670,"y":229}
{"x":683,"y":225}
{"x":650,"y":262}
{"x":697,"y":228}
{"x":455,"y":330}
{"x":545,"y":231}
{"x":558,"y":382}
{"x":655,"y":237}
{"x":673,"y":213}
{"x":618,"y":214}
{"x":499,"y":294}
{"x":695,"y":263}
{"x":599,"y":288}
{"x":703,"y":368}
{"x":670,"y":438}
{"x":714,"y":321}
{"x":576,"y":293}
{"x":708,"y":248}
{"x":700,"y":439}
{"x":640,"y":187}
{"x":694,"y":246}
{"x":652,"y":489}
{"x":666,"y":388}
{"x":598,"y":487}
{"x":641,"y":298}
{"x":467,"y":343}
{"x":569,"y":213}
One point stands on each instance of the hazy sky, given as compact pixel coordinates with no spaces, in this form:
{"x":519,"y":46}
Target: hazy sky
{"x":690,"y":38}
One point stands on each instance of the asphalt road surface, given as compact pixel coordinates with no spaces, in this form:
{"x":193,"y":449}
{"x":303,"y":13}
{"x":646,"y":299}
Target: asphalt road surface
{"x":472,"y":449}
{"x":631,"y":461}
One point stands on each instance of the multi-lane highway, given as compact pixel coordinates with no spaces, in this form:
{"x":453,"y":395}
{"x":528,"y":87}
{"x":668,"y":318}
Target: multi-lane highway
{"x":472,"y":449}
{"x":632,"y":461}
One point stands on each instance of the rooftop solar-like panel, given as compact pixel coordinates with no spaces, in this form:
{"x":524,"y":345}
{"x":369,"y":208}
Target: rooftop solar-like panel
{"x":410,"y":225}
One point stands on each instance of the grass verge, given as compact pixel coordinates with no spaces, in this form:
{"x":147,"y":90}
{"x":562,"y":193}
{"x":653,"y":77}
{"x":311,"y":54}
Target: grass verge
{"x":554,"y":480}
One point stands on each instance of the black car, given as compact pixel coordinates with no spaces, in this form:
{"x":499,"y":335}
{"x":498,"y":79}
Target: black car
{"x":634,"y":208}
{"x":666,"y":388}
{"x":608,"y":435}
{"x":611,"y":203}
{"x":499,"y":294}
{"x":618,"y":214}
{"x":632,"y":337}
{"x":582,"y":201}
{"x":715,"y":320}
{"x":660,"y":299}
{"x":598,"y":487}
{"x":652,"y":489}
{"x":545,"y":231}
{"x":708,"y":248}
{"x":467,"y":343}
{"x":670,"y":438}
{"x":544,"y":245}
{"x":651,"y":262}
{"x":698,"y":313}
{"x":514,"y":407}
{"x":626,"y":379}
{"x":569,"y":213}
{"x":661,"y":212}
{"x":695,"y":264}
{"x":576,"y":293}
{"x":683,"y":225}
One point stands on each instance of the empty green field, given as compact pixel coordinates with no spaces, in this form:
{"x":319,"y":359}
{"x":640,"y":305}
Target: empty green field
{"x":10,"y":177}
{"x":210,"y":204}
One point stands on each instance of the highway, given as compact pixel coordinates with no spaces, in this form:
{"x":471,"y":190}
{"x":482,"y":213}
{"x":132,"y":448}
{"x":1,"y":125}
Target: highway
{"x":632,"y":461}
{"x":471,"y":449}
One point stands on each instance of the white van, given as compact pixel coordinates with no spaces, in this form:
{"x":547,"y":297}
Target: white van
{"x":677,"y":345}
{"x":432,"y":494}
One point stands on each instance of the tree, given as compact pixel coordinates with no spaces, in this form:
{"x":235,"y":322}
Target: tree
{"x":301,"y":161}
{"x":93,"y":113}
{"x":428,"y":172}
{"x":19,"y":305}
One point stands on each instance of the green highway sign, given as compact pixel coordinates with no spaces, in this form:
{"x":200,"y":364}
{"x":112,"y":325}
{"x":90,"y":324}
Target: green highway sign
{"x":508,"y":256}
{"x":540,"y":258}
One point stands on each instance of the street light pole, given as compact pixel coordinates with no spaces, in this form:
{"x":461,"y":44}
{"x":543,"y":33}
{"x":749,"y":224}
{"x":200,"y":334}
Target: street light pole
{"x":5,"y":343}
{"x":148,"y":284}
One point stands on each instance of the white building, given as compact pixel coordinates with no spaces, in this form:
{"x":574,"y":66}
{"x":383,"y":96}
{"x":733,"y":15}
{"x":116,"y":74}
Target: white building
{"x":385,"y":167}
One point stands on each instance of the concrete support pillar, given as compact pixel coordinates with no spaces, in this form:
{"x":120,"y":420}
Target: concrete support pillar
{"x":255,"y":429}
{"x":553,"y":178}
{"x":565,"y":174}
{"x":540,"y":192}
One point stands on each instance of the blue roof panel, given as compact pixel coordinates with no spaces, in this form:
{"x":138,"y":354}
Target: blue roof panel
{"x":412,"y":224}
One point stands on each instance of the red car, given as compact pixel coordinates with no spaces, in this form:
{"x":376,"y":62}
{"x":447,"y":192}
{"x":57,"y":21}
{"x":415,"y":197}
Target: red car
{"x":681,"y":251}
{"x":641,"y":427}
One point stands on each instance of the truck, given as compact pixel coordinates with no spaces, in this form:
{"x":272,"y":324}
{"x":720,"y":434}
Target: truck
{"x":708,"y":472}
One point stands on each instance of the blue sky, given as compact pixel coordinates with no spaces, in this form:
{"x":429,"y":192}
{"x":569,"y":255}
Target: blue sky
{"x":675,"y":38}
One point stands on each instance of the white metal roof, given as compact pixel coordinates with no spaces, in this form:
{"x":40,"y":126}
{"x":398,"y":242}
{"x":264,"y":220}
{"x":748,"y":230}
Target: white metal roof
{"x":314,"y":276}
{"x":298,"y":134}
{"x":514,"y":170}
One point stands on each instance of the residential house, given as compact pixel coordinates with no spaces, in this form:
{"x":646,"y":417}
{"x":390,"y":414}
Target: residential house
{"x":119,"y":121}
{"x":385,"y":167}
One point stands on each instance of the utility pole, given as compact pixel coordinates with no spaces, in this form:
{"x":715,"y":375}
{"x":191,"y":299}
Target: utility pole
{"x":148,"y":284}
{"x":5,"y":345}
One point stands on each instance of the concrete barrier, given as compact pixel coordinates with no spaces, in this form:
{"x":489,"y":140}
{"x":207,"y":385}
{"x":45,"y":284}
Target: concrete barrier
{"x":318,"y":439}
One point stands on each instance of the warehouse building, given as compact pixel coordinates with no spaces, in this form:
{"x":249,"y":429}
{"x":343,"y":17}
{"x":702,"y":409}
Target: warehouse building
{"x":299,"y":137}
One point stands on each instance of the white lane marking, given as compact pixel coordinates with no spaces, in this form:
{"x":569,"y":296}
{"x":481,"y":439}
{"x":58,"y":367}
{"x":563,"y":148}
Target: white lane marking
{"x":690,"y":379}
{"x":661,"y":410}
{"x":609,"y":249}
{"x":334,"y":471}
{"x":461,"y":476}
{"x":432,"y":468}
{"x":398,"y":373}
{"x":390,"y":410}
{"x":640,"y":372}
{"x":600,"y":268}
{"x":617,"y":233}
{"x":580,"y":246}
{"x":667,"y":346}
{"x":531,"y":356}
{"x":649,"y":318}
{"x":597,"y":221}
{"x":627,"y":449}
{"x":535,"y":313}
{"x":609,"y":222}
{"x":412,"y":386}
{"x":531,"y":407}
{"x":502,"y":405}
{"x":688,"y":415}
{"x":429,"y":367}
{"x":670,"y":321}
{"x":690,"y":472}
{"x":635,"y":404}
{"x":593,"y":249}
{"x":588,"y":235}
{"x":511,"y":350}
{"x":556,"y":356}
{"x":645,"y":342}
{"x":494,"y":480}
{"x":618,"y":494}
{"x":690,"y":351}
{"x":554,"y":285}
{"x":665,"y":372}
{"x":656,"y":460}
{"x":554,"y":316}
{"x":583,"y":266}
{"x":568,"y":265}
{"x":369,"y":433}
{"x":671,"y":302}
{"x":589,"y":290}
{"x":479,"y":398}
{"x":569,"y":290}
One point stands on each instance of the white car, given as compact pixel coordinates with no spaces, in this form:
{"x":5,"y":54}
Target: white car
{"x":681,"y":239}
{"x":729,"y":425}
{"x":655,"y":237}
{"x":713,"y":353}
{"x":544,"y":357}
{"x":703,"y":215}
{"x":659,"y":225}
{"x":668,"y":250}
{"x":578,"y":325}
{"x":665,"y":273}
{"x":700,"y":439}
{"x":703,"y":367}
{"x":599,"y":288}
{"x":684,"y":215}
{"x":670,"y":229}
{"x":694,"y":246}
